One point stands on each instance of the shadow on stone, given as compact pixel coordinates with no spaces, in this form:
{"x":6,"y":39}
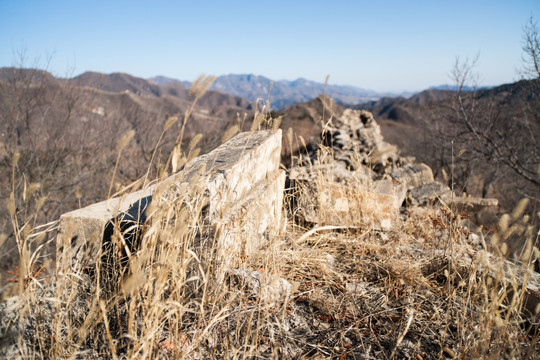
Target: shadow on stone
{"x":121,"y":238}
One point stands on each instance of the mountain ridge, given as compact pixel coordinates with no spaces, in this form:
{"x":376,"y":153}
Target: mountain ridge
{"x":285,"y":92}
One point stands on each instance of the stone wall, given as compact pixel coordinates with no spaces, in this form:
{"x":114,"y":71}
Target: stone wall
{"x":240,"y":181}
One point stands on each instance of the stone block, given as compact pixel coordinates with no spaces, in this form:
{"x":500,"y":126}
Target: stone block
{"x":470,"y":203}
{"x":335,"y":171}
{"x":228,"y":176}
{"x":337,"y":204}
{"x":414,"y":175}
{"x":232,"y":170}
{"x":427,"y":193}
{"x":437,"y":192}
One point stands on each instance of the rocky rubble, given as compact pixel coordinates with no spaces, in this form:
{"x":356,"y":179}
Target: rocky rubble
{"x":357,"y":177}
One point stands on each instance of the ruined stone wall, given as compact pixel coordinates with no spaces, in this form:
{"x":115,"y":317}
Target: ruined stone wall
{"x":240,"y":180}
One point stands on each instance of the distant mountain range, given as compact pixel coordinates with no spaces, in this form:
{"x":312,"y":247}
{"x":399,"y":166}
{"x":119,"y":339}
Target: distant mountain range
{"x":455,"y":88}
{"x":284,"y":92}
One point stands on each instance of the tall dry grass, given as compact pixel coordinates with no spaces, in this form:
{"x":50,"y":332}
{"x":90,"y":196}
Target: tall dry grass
{"x":421,"y":290}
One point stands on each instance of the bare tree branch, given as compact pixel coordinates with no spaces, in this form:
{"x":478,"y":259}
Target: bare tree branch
{"x":531,"y":50}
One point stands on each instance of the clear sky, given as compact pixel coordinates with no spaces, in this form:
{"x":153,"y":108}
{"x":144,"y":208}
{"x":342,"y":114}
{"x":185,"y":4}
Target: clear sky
{"x":380,"y":45}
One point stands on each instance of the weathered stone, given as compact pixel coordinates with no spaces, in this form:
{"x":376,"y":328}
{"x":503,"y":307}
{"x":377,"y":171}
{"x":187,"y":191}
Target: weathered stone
{"x":246,"y":226}
{"x":244,"y":168}
{"x":437,"y":192}
{"x":385,"y":155}
{"x":343,"y":191}
{"x":390,"y":188}
{"x":342,"y":139}
{"x":267,"y":287}
{"x":233,"y":169}
{"x":355,"y":137}
{"x":356,"y":119}
{"x":469,"y":203}
{"x":427,"y":193}
{"x":414,"y":175}
{"x":356,"y":287}
{"x":336,"y":204}
{"x":335,"y":171}
{"x":329,"y":260}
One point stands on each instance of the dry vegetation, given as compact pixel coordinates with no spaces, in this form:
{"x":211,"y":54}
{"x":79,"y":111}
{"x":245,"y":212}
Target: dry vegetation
{"x":433,"y":286}
{"x":426,"y":289}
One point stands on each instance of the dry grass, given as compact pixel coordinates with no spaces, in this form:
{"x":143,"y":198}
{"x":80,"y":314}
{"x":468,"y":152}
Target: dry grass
{"x":421,"y":290}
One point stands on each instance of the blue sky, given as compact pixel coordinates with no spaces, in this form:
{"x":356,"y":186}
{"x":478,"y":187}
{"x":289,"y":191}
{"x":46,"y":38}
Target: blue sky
{"x":380,"y":45}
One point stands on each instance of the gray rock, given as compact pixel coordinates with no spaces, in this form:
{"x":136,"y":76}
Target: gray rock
{"x":471,"y":204}
{"x":355,"y":137}
{"x":341,"y":205}
{"x":414,"y":175}
{"x":267,"y":287}
{"x":427,"y":193}
{"x":330,"y":260}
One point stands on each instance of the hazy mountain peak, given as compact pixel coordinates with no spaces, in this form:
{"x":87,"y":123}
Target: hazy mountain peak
{"x":162,"y":80}
{"x":284,"y":92}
